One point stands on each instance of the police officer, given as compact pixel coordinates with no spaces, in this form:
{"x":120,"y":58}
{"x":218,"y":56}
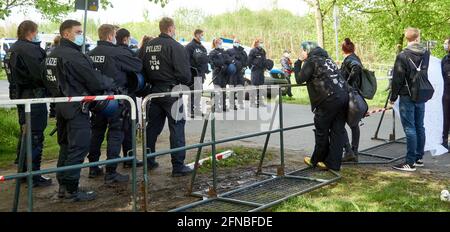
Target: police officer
{"x":71,"y":73}
{"x":166,"y":65}
{"x":117,"y":63}
{"x":220,"y":60}
{"x":446,"y":96}
{"x":198,"y":56}
{"x":240,"y":58}
{"x":328,"y":93}
{"x":123,"y":38}
{"x":257,"y":63}
{"x":24,"y":71}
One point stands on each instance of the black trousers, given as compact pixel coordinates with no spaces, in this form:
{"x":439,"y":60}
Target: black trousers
{"x":329,"y":122}
{"x":74,"y":134}
{"x":356,"y":134}
{"x":38,"y":124}
{"x":171,"y":109}
{"x":115,"y":135}
{"x":446,"y":108}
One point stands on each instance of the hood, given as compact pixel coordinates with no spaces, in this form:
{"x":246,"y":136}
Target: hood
{"x":416,"y":48}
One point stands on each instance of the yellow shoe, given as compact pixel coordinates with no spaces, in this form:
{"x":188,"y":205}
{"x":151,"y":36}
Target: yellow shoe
{"x":308,"y":162}
{"x":319,"y":165}
{"x":322,"y":166}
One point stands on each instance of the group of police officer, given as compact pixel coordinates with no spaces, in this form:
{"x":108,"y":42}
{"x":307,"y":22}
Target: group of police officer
{"x":108,"y":69}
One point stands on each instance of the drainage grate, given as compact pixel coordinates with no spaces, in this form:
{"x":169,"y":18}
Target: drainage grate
{"x":273,"y":190}
{"x":217,"y":205}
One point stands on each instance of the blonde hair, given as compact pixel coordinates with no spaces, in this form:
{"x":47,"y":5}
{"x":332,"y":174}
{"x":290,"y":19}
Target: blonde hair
{"x":257,"y":41}
{"x":106,"y":30}
{"x":412,"y":34}
{"x":214,"y":42}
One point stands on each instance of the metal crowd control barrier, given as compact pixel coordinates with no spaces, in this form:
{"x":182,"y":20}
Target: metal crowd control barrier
{"x":29,"y":174}
{"x":211,"y":118}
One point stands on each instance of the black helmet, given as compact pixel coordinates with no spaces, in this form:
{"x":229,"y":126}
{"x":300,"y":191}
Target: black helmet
{"x":136,"y":82}
{"x":269,"y":64}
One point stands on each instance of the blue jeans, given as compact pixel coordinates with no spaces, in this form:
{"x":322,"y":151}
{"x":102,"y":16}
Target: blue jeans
{"x":412,"y":115}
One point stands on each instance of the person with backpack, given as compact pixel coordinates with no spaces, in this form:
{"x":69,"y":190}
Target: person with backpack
{"x":408,"y":83}
{"x":351,"y":70}
{"x":329,"y":97}
{"x":446,"y":97}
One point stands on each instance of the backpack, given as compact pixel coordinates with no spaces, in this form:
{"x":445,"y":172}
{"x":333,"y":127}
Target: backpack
{"x":357,"y":107}
{"x":420,"y":88}
{"x":368,"y":86}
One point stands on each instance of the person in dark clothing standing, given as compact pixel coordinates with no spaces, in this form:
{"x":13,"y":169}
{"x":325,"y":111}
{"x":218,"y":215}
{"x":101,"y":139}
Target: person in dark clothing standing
{"x":286,"y":67}
{"x":70,"y":73}
{"x":117,"y":63}
{"x":351,"y":70}
{"x":166,"y":66}
{"x":240,"y":58}
{"x":328,"y":93}
{"x":24,"y":70}
{"x":411,"y":113}
{"x":220,"y":60}
{"x":198,"y":56}
{"x":446,"y":96}
{"x":257,"y":63}
{"x":123,"y":38}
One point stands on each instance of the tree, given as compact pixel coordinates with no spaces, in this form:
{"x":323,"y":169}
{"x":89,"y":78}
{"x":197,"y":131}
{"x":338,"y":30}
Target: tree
{"x":321,"y":8}
{"x":51,"y":9}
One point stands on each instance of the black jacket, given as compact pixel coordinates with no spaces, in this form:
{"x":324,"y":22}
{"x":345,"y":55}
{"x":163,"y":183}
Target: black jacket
{"x":165,"y":64}
{"x":198,"y":56}
{"x":24,"y":70}
{"x":403,"y":69}
{"x":322,"y":77}
{"x":127,"y":48}
{"x":70,"y":73}
{"x":351,"y":70}
{"x":115,"y":62}
{"x":257,"y":59}
{"x":219,"y":60}
{"x":446,"y":73}
{"x":240,"y":58}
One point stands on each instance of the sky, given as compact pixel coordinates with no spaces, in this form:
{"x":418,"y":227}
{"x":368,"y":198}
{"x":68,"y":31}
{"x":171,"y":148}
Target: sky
{"x":132,"y":10}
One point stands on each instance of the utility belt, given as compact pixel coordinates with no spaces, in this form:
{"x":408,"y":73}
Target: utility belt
{"x":163,"y":88}
{"x":27,"y":93}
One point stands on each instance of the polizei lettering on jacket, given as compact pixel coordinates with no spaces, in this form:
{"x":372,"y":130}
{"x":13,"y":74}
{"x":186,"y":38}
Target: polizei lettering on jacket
{"x":98,"y":59}
{"x":153,"y":48}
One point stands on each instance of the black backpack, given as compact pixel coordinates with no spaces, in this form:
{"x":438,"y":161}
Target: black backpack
{"x":419,"y":87}
{"x":368,"y":86}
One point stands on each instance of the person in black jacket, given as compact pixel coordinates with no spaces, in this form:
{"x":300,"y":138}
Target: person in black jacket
{"x":166,"y":66}
{"x":351,"y":70}
{"x":24,"y":71}
{"x":257,"y":63}
{"x":117,"y":63}
{"x":240,"y":58}
{"x":70,"y":73}
{"x":328,"y":93}
{"x":219,"y":60}
{"x":198,"y":56}
{"x":411,"y":113}
{"x":446,"y":97}
{"x":286,"y":67}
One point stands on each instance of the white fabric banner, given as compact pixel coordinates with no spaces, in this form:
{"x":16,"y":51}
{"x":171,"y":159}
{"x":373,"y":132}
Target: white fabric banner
{"x":434,"y":114}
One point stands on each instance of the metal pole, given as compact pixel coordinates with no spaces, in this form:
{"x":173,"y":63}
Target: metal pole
{"x":144,"y":155}
{"x":133,"y":153}
{"x":280,"y":106}
{"x":213,"y":191}
{"x":375,"y":137}
{"x":199,"y":152}
{"x":83,"y":48}
{"x":29,"y":156}
{"x":20,"y":167}
{"x":266,"y":143}
{"x":336,"y":27}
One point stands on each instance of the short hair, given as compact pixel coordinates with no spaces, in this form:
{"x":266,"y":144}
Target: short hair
{"x":106,"y":30}
{"x":412,"y":34}
{"x":348,"y":46}
{"x":122,"y":34}
{"x":26,"y":27}
{"x":308,"y":46}
{"x":165,"y":24}
{"x":198,"y":32}
{"x":68,"y":24}
{"x":56,"y":40}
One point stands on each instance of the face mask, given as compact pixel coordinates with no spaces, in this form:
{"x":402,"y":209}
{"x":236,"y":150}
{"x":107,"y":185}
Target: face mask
{"x":446,"y":47}
{"x":202,"y":38}
{"x":36,"y":38}
{"x":236,"y":45}
{"x":114,"y":41}
{"x":220,"y":46}
{"x":261,"y":45}
{"x":79,"y":40}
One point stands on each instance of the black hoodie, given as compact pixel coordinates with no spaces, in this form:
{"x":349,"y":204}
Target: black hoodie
{"x":403,"y":68}
{"x":322,"y":77}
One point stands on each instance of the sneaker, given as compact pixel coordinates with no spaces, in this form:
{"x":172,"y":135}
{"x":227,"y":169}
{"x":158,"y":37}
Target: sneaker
{"x":81,"y":196}
{"x":405,"y":167}
{"x":184,"y":171}
{"x":41,"y":181}
{"x":116,"y":178}
{"x":62,"y":191}
{"x":419,"y":163}
{"x":319,"y":165}
{"x":95,"y":172}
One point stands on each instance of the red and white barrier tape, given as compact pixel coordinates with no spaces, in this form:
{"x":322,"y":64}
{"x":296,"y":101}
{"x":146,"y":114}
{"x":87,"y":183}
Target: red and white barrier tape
{"x":220,"y":156}
{"x":2,"y":178}
{"x":378,"y":111}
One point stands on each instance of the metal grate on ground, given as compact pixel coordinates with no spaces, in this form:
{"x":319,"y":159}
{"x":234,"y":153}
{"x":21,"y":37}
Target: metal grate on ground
{"x":264,"y":194}
{"x":383,"y":154}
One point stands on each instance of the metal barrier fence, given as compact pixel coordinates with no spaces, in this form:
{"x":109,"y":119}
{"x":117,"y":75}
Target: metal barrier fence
{"x":29,"y":174}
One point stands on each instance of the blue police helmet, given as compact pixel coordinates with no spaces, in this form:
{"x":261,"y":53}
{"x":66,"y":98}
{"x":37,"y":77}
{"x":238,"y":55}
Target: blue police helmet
{"x":231,"y":69}
{"x":276,"y":71}
{"x":136,"y":82}
{"x":106,"y":108}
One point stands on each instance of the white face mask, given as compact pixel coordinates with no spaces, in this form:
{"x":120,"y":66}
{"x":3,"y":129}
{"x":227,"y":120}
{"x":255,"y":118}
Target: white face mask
{"x":114,"y":41}
{"x":236,"y":45}
{"x":220,"y":46}
{"x":446,"y":47}
{"x":261,"y":45}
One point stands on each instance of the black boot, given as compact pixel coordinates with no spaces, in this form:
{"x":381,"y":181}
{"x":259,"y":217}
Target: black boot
{"x":95,"y":172}
{"x":349,"y":155}
{"x":116,"y":178}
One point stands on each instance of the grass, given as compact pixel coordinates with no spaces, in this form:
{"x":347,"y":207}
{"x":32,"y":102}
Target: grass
{"x":9,"y":134}
{"x":363,"y":190}
{"x":2,"y":74}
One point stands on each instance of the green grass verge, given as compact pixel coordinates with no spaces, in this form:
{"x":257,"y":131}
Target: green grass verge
{"x":9,"y":134}
{"x":363,"y":190}
{"x":2,"y":74}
